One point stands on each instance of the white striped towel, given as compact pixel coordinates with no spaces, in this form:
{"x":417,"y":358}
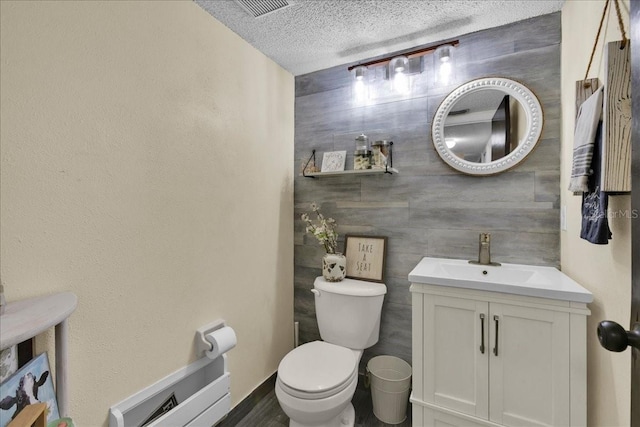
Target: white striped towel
{"x":583,"y":141}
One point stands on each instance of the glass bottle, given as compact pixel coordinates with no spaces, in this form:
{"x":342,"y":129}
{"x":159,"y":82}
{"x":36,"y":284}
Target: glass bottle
{"x":380,"y":154}
{"x":361,"y":159}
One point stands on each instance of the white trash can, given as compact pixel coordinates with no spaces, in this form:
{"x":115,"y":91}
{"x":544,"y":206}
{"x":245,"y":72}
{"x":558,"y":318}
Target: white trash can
{"x":390,"y":379}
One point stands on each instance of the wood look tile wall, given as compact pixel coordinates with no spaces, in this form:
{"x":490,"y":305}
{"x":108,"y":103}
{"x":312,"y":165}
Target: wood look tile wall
{"x":429,"y":209}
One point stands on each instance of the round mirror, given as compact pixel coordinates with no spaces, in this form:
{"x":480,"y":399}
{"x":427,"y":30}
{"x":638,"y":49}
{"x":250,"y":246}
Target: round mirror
{"x":487,"y":126}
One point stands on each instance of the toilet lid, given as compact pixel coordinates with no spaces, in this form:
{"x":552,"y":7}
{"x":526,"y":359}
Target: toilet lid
{"x":317,"y":367}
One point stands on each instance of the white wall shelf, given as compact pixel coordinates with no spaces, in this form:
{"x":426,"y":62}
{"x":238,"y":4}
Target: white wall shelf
{"x":28,"y":318}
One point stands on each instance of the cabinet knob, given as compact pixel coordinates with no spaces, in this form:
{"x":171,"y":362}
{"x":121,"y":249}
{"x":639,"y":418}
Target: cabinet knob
{"x":613,"y":337}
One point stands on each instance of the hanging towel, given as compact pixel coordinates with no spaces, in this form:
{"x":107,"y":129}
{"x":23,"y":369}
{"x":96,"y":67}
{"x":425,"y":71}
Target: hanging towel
{"x":595,"y":225}
{"x":584,"y":136}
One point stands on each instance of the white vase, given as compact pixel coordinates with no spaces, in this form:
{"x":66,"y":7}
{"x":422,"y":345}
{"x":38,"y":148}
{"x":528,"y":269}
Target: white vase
{"x":334,"y":267}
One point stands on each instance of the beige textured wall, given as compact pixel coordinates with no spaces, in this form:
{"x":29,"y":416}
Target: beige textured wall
{"x":604,"y":270}
{"x":146,"y":165}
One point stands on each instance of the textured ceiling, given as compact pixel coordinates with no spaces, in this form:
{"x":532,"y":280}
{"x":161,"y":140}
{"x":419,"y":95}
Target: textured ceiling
{"x":311,"y":35}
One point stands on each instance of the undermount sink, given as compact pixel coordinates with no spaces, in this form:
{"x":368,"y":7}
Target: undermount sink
{"x":530,"y":280}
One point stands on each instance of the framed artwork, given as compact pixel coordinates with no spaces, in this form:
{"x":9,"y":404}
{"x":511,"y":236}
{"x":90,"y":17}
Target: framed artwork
{"x":30,"y":384}
{"x":333,"y":161}
{"x":365,"y":257}
{"x":8,"y":362}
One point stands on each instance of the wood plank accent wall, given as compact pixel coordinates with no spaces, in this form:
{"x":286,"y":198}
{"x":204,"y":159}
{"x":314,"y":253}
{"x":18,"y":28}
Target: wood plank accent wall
{"x":429,"y":209}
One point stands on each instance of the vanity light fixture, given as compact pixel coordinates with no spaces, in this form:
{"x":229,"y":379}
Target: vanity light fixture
{"x":399,"y":74}
{"x":361,"y":89}
{"x":444,"y":66}
{"x":399,"y":65}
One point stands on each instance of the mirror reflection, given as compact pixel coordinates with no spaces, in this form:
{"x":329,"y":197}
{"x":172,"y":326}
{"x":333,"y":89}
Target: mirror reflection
{"x":487,"y":126}
{"x":484,"y":126}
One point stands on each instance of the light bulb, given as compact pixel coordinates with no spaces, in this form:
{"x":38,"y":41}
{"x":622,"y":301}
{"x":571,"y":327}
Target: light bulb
{"x":400,"y":80}
{"x":401,"y":83}
{"x":445,"y":72}
{"x":444,"y":64}
{"x":360,"y":89}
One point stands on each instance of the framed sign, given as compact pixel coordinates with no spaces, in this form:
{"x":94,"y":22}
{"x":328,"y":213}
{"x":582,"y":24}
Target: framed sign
{"x":333,"y":161}
{"x":365,"y":257}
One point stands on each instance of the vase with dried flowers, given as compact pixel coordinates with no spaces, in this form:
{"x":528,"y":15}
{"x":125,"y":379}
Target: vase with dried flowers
{"x":334,"y":264}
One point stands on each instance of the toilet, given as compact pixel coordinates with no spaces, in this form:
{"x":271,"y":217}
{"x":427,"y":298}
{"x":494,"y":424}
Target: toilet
{"x":316,"y":381}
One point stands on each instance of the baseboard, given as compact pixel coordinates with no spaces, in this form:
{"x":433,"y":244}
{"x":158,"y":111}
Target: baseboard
{"x":248,"y":403}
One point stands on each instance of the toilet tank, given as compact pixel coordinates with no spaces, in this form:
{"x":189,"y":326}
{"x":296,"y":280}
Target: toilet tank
{"x":348,"y":311}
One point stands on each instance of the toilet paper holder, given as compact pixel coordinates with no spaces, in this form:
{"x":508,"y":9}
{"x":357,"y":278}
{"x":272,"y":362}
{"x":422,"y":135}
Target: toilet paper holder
{"x":201,"y":333}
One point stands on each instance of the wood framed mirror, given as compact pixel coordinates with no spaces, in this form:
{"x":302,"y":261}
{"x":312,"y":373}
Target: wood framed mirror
{"x":487,"y":126}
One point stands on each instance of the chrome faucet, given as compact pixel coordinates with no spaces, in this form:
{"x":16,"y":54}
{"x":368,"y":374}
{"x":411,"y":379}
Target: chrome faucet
{"x":484,"y":251}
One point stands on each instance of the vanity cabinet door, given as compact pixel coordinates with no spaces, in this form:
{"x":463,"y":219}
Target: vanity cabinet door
{"x":529,"y":366}
{"x":456,"y":367}
{"x":435,"y":418}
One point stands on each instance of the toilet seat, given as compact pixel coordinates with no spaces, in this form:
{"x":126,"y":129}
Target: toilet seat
{"x":317,"y":370}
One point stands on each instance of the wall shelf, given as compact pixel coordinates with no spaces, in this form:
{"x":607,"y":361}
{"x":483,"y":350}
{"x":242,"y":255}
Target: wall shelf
{"x":25,"y":319}
{"x":388,"y":169}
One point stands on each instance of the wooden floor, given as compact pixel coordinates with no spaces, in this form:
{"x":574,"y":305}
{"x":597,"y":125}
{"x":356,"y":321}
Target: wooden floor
{"x":267,"y":413}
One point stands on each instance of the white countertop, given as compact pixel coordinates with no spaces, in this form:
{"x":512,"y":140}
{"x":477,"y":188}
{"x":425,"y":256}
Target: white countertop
{"x":528,"y":280}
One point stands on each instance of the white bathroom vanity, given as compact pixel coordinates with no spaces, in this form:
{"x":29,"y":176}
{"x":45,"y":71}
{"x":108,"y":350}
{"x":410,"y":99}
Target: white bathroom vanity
{"x":497,"y":345}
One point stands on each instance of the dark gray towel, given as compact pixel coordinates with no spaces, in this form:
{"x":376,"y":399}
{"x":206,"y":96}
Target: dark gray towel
{"x":595,"y":224}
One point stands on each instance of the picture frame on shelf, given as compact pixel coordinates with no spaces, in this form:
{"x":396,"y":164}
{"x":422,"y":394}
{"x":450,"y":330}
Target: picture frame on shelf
{"x":33,"y":379}
{"x":366,"y":257}
{"x":333,"y":161}
{"x":8,"y":362}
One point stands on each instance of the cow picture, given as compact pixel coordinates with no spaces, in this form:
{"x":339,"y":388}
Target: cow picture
{"x":31,"y":384}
